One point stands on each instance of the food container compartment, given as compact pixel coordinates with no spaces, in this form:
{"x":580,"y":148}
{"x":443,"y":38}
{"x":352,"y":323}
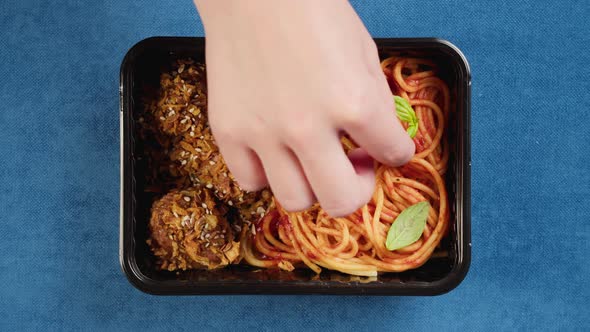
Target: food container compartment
{"x":140,"y":71}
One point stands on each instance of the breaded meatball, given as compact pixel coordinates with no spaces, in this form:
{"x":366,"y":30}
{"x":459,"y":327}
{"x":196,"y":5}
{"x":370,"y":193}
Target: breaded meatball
{"x":201,"y":161}
{"x":181,"y":109}
{"x":180,"y":114}
{"x":188,"y":231}
{"x":254,"y":206}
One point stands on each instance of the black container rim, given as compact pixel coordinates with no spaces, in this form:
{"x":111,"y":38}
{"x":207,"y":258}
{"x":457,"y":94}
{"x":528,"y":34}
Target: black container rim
{"x":275,"y":287}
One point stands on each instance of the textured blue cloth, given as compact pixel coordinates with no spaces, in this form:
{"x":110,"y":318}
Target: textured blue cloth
{"x":59,"y":172}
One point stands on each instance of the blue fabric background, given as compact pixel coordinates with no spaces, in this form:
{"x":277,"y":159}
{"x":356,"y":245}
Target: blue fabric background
{"x":59,"y":172}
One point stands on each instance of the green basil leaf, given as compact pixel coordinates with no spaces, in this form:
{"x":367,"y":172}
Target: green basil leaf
{"x":404,"y":116}
{"x":413,"y":130}
{"x":405,"y":113}
{"x":408,"y":226}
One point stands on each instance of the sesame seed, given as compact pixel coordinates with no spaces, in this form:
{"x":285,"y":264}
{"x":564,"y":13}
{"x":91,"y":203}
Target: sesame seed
{"x":207,"y":236}
{"x":223,"y":231}
{"x":230,"y":203}
{"x":260,"y":210}
{"x":162,"y":118}
{"x":186,"y":198}
{"x":183,"y":121}
{"x":204,"y":205}
{"x":241,"y":199}
{"x":175,"y":214}
{"x":253,"y":230}
{"x":224,"y":191}
{"x":198,"y":149}
{"x":183,"y":162}
{"x":225,"y":174}
{"x":207,"y":245}
{"x":201,"y":137}
{"x":211,"y":162}
{"x":209,"y":185}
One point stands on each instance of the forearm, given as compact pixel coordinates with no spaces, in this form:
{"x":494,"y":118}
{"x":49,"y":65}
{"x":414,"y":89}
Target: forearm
{"x":216,"y":14}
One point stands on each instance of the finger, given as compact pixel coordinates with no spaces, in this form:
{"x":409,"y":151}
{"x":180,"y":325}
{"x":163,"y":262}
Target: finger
{"x":378,"y":130}
{"x":286,"y":178}
{"x":336,"y":183}
{"x":244,"y":165}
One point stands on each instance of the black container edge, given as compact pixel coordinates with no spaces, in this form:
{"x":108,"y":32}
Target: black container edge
{"x":448,"y":283}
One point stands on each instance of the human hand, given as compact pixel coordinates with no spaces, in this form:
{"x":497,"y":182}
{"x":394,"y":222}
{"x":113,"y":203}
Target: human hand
{"x":285,"y":79}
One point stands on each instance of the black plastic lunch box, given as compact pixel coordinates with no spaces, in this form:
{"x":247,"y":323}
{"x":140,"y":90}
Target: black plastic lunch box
{"x":140,"y":72}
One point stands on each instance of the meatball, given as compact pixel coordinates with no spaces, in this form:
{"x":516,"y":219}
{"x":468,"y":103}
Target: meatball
{"x":254,"y":206}
{"x":189,"y":231}
{"x":153,"y":156}
{"x":200,"y":160}
{"x":181,"y":109}
{"x":180,"y":113}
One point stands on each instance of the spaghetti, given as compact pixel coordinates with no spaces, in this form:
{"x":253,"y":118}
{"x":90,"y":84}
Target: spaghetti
{"x":356,"y":244}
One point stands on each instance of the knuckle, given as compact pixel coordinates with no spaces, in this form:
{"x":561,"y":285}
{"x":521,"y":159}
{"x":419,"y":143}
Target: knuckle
{"x":372,"y":61}
{"x":235,"y":130}
{"x":299,"y":134}
{"x":257,"y":137}
{"x":354,"y":109}
{"x":354,"y":115}
{"x":371,"y":52}
{"x":225,"y":132}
